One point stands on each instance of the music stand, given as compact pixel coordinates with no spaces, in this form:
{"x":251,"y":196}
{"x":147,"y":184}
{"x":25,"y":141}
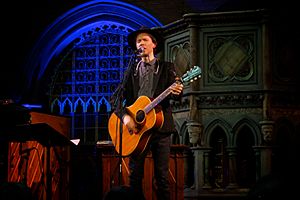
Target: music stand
{"x":42,"y":133}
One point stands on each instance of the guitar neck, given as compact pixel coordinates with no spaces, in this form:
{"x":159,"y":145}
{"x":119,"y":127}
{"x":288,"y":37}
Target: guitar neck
{"x":158,"y":99}
{"x":189,"y":76}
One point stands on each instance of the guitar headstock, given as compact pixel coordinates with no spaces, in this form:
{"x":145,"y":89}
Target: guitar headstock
{"x":191,"y":75}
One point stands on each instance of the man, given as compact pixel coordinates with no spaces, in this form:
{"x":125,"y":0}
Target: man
{"x":150,"y":76}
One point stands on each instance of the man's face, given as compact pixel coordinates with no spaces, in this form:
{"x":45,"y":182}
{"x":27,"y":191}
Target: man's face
{"x":145,"y":41}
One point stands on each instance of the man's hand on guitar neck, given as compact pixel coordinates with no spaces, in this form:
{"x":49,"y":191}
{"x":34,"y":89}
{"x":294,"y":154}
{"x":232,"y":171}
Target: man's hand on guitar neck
{"x":130,"y":124}
{"x":177,"y":88}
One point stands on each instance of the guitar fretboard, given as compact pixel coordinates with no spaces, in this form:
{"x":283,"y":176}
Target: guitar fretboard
{"x":189,"y":76}
{"x":158,"y":99}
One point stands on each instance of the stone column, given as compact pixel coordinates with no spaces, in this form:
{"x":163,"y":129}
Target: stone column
{"x":257,"y":163}
{"x":265,"y":159}
{"x":201,"y":167}
{"x":198,"y":167}
{"x":206,"y":165}
{"x":266,"y":149}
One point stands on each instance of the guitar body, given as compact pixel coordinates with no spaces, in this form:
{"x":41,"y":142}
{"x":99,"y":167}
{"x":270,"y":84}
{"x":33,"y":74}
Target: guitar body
{"x":135,"y":143}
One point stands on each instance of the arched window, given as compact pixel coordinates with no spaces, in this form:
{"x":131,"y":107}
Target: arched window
{"x":85,"y":53}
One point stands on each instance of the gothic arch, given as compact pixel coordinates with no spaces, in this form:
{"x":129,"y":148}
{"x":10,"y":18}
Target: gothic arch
{"x":253,"y":127}
{"x":67,"y":106}
{"x":217,"y":123}
{"x":77,"y":21}
{"x":104,"y":103}
{"x":91,"y":105}
{"x":56,"y":106}
{"x":79,"y":103}
{"x":246,"y":135}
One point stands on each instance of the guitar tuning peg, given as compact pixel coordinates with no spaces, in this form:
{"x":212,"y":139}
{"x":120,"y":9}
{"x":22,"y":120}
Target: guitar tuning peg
{"x":195,"y":78}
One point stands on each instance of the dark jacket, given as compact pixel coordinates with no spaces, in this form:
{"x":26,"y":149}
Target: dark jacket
{"x":164,"y":78}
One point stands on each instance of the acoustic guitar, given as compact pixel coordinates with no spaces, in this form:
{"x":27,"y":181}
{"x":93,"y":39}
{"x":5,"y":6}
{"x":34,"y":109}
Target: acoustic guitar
{"x":148,"y":115}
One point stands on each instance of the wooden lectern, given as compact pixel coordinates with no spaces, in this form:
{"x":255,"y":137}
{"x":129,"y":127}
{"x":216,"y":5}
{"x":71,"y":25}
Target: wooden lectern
{"x":46,"y":144}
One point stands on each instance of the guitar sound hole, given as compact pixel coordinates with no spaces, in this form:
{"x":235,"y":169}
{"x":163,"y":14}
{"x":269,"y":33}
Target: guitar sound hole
{"x":140,"y":116}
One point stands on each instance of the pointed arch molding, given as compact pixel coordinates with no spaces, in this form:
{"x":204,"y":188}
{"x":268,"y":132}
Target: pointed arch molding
{"x":252,"y":125}
{"x":232,"y":131}
{"x":77,"y":20}
{"x":213,"y":125}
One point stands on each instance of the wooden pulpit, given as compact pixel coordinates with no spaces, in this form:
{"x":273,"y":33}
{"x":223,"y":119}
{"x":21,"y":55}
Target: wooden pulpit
{"x":37,"y":151}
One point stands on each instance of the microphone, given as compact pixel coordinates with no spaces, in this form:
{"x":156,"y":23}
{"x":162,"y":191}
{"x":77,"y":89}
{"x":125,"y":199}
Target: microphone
{"x":139,"y":50}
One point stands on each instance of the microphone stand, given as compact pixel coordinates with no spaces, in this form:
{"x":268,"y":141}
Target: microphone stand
{"x":118,"y":103}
